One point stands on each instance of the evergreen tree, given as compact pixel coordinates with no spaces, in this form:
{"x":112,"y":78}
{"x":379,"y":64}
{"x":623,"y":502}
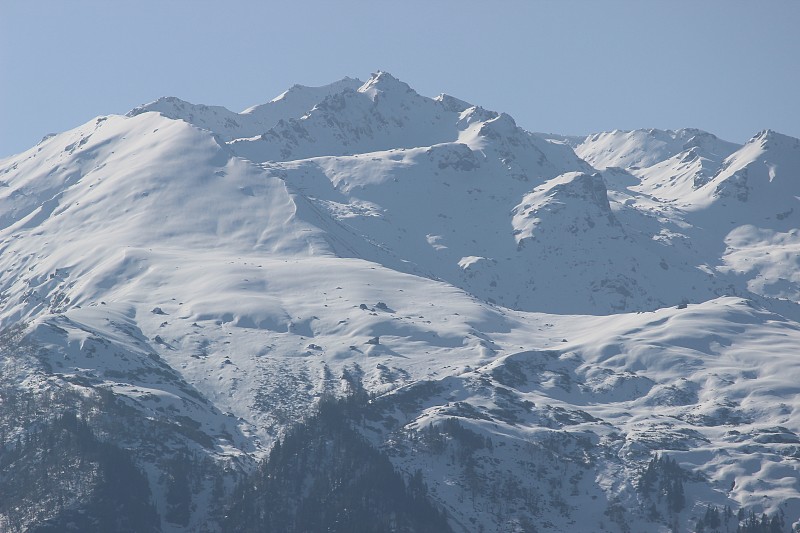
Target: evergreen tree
{"x":324,"y":477}
{"x":179,"y":491}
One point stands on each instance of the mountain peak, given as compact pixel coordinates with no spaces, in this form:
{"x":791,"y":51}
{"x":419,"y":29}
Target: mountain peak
{"x":770,"y":138}
{"x":383,"y":82}
{"x":161,"y":105}
{"x":498,"y":126}
{"x":643,"y":148}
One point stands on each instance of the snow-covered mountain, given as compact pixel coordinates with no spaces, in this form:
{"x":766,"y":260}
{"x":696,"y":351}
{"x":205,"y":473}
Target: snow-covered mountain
{"x":252,"y":122}
{"x":539,"y":333}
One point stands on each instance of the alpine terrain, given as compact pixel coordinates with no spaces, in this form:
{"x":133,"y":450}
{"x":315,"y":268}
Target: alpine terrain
{"x":357,"y":308}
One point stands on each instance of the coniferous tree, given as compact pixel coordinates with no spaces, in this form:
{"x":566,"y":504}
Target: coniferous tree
{"x":324,"y":477}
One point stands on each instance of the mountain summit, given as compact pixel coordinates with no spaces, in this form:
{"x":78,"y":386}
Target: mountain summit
{"x":355,"y":304}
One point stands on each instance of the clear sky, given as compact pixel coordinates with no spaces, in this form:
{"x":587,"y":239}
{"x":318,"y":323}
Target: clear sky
{"x":573,"y":67}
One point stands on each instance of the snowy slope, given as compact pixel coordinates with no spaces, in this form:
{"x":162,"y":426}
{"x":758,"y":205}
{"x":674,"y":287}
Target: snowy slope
{"x":533,"y":330}
{"x":644,"y":148}
{"x":677,"y":381}
{"x":758,"y":183}
{"x":729,"y":200}
{"x":383,"y":113}
{"x":666,"y":164}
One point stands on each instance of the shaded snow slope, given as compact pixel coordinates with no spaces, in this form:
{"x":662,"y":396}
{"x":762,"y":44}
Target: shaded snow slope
{"x":534,"y":327}
{"x":727,"y":200}
{"x":682,"y":382}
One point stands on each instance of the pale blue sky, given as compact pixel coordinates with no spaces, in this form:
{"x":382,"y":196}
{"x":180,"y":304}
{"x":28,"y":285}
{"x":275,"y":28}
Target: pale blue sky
{"x":572,"y":67}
